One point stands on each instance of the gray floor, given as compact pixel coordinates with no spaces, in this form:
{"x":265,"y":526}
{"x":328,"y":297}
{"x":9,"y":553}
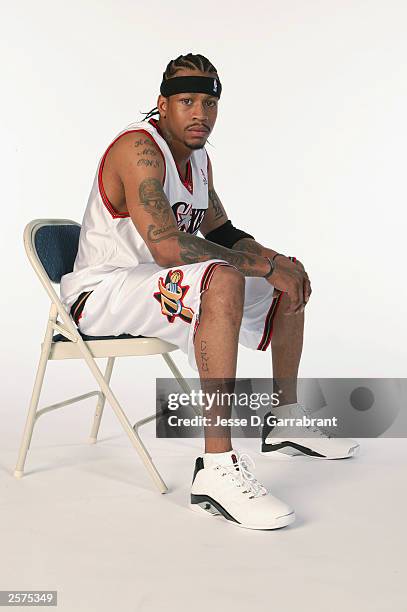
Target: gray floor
{"x":87,"y":522}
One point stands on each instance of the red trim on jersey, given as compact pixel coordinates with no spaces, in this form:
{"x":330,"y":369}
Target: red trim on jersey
{"x":115,"y":214}
{"x":154,"y":123}
{"x":187,"y":181}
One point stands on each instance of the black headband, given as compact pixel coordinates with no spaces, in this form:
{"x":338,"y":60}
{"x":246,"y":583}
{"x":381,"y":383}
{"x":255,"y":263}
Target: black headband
{"x":191,"y":84}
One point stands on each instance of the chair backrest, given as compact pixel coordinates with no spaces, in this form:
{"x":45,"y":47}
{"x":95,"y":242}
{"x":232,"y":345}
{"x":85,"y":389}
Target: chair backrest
{"x":54,"y":242}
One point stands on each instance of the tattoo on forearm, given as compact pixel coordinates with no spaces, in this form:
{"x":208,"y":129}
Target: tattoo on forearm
{"x":218,"y":209}
{"x":191,"y":249}
{"x":248,"y":245}
{"x":194,"y":249}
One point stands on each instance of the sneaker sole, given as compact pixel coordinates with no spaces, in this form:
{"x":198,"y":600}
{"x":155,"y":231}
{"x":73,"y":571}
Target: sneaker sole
{"x":294,"y":454}
{"x":215,"y":512}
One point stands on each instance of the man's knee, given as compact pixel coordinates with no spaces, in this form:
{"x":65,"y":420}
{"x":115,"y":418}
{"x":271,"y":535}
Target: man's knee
{"x":226,"y":292}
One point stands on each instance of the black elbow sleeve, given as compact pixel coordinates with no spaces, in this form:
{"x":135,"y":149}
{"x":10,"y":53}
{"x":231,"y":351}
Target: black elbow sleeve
{"x":227,"y":235}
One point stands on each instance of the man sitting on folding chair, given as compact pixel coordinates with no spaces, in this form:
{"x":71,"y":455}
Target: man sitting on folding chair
{"x":142,"y":270}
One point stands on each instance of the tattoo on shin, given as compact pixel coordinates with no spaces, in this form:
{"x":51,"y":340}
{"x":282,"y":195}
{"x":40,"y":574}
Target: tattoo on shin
{"x":204,"y":356}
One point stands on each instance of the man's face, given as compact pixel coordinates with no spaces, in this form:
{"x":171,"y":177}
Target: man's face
{"x":190,"y":117}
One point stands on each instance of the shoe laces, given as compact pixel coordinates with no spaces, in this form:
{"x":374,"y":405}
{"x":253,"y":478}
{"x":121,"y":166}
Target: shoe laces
{"x":241,"y":476}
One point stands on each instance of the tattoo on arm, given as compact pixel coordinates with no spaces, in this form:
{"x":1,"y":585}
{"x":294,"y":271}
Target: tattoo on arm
{"x":155,"y":204}
{"x":216,"y":205}
{"x":148,"y":151}
{"x":194,"y":249}
{"x":142,"y":142}
{"x":248,"y":245}
{"x":144,"y":149}
{"x":148,"y":162}
{"x":191,"y":249}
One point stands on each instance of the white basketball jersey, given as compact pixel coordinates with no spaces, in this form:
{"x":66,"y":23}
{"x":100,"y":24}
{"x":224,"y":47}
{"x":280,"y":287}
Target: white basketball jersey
{"x":109,"y":239}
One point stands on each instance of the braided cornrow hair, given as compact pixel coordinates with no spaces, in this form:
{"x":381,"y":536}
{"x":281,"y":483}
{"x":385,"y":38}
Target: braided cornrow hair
{"x":192,"y":61}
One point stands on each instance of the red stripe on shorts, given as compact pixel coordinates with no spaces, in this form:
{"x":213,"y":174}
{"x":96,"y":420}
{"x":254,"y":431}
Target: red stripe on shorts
{"x":268,"y":325}
{"x":205,"y":282}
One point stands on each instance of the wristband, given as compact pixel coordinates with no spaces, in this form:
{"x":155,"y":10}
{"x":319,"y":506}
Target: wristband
{"x":270,"y":272}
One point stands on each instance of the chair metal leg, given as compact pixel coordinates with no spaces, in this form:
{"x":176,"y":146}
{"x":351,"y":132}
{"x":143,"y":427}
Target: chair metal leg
{"x":177,"y":374}
{"x":39,"y":379}
{"x":133,"y":435}
{"x":101,"y":403}
{"x":180,"y":379}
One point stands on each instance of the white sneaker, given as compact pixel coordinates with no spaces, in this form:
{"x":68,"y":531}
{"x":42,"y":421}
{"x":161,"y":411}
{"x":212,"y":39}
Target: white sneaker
{"x":287,"y":442}
{"x":229,"y":490}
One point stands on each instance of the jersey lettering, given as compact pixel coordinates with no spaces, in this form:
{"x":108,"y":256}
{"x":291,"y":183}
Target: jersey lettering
{"x":188,"y":219}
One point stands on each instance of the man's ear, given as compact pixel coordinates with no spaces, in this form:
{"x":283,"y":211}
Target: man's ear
{"x":162,"y":105}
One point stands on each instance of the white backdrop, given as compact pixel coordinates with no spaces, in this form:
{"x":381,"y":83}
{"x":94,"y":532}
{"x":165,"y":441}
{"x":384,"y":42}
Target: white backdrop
{"x":308,"y":154}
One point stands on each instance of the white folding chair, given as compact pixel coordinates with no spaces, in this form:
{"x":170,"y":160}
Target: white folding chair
{"x":51,"y":246}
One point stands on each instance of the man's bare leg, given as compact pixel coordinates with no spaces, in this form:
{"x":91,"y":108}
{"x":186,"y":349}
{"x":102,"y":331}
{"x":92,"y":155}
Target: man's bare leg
{"x":216,"y":347}
{"x":286,"y":352}
{"x":222,"y":483}
{"x":286,"y":347}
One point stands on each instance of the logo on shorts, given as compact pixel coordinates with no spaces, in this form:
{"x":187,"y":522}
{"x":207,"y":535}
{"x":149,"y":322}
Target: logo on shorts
{"x":171,"y":294}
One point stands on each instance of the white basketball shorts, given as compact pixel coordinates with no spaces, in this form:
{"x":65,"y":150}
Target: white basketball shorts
{"x":165,"y":303}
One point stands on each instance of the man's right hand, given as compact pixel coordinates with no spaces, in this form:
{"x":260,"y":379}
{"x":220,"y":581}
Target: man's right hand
{"x":291,"y":277}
